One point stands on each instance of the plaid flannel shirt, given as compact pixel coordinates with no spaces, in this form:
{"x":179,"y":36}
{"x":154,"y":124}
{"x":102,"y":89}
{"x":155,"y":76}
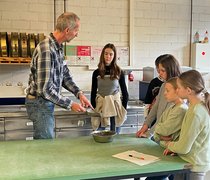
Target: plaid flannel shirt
{"x":49,"y":73}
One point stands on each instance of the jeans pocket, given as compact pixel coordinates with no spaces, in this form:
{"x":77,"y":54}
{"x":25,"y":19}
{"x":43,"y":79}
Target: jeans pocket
{"x":31,"y":108}
{"x":45,"y":105}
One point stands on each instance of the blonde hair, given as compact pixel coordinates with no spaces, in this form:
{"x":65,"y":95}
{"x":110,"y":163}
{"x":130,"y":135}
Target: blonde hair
{"x":194,"y":81}
{"x":173,"y":82}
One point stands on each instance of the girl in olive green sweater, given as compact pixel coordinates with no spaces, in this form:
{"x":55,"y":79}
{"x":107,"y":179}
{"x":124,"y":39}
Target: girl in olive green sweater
{"x":193,"y":145}
{"x":169,"y":125}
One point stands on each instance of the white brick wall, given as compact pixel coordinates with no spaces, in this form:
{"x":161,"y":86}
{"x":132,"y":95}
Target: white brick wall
{"x":160,"y":26}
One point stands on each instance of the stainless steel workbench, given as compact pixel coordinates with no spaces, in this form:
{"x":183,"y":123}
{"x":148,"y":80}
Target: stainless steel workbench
{"x":15,"y":125}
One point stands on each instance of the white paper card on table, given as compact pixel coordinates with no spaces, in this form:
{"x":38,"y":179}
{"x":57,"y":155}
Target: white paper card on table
{"x":137,"y":157}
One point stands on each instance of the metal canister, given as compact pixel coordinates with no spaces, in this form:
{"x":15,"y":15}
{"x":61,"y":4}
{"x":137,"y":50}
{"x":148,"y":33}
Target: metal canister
{"x":14,"y":45}
{"x":4,"y":50}
{"x":31,"y":44}
{"x":23,"y":45}
{"x":40,"y":37}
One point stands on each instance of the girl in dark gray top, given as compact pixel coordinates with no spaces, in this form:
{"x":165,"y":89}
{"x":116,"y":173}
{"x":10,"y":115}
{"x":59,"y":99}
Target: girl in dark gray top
{"x":108,"y":79}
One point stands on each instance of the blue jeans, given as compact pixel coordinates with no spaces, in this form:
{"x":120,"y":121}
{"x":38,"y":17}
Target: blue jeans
{"x":41,"y":112}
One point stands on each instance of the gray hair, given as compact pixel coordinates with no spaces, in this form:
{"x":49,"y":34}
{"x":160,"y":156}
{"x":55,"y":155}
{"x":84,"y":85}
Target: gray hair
{"x":67,"y":19}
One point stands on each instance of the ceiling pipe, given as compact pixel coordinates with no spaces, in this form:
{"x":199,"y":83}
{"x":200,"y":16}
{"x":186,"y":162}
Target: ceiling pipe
{"x":64,"y":9}
{"x":191,"y":22}
{"x":64,"y":5}
{"x":131,"y":32}
{"x":54,"y":13}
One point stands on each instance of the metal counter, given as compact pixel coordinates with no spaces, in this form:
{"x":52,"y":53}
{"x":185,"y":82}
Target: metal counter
{"x":15,"y":125}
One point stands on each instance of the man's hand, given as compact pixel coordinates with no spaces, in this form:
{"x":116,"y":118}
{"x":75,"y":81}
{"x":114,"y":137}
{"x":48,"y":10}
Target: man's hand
{"x":84,"y":101}
{"x":77,"y":107}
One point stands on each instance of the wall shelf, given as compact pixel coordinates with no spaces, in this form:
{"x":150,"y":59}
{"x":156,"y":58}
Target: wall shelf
{"x":14,"y":60}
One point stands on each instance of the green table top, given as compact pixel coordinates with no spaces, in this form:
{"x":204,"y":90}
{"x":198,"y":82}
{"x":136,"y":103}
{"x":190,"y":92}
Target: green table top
{"x":79,"y":158}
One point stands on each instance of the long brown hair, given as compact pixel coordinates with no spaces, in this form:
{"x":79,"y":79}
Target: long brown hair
{"x":171,"y":65}
{"x":158,"y":59}
{"x":115,"y":70}
{"x":194,"y":81}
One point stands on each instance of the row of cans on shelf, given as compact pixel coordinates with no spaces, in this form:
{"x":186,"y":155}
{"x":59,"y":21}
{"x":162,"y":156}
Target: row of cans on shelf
{"x":19,"y":44}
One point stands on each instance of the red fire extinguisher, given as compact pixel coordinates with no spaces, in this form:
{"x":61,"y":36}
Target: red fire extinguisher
{"x":130,"y":77}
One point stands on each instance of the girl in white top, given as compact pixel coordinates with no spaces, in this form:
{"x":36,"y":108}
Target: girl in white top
{"x":193,"y":145}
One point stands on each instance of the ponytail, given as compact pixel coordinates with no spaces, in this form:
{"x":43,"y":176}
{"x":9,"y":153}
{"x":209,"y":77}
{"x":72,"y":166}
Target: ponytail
{"x":207,"y":100}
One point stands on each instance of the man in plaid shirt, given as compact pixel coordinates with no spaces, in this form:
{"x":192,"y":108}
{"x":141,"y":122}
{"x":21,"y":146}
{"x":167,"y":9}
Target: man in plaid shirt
{"x":49,"y":73}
